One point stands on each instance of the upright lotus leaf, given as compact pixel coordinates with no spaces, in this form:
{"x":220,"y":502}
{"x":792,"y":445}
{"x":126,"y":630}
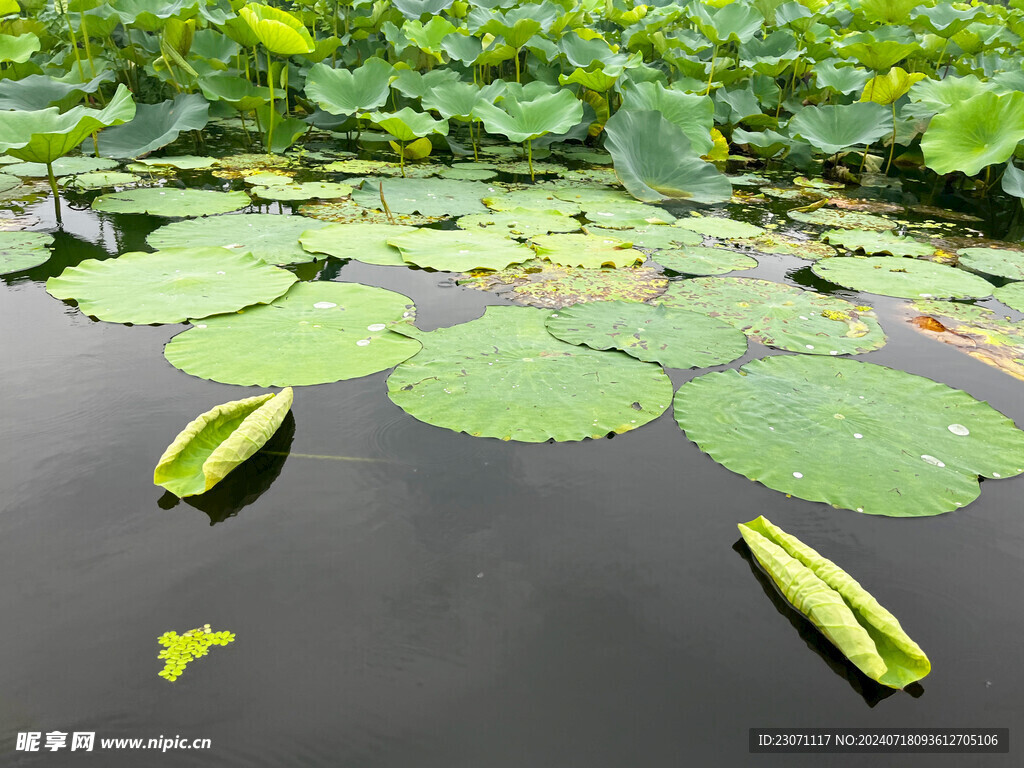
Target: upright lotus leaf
{"x":18,"y":48}
{"x":983,"y":130}
{"x":172,"y":202}
{"x":879,"y":49}
{"x":155,"y":126}
{"x":1013,"y":180}
{"x":698,"y":260}
{"x":347,"y":92}
{"x":407,"y":124}
{"x":890,"y":87}
{"x":503,"y":375}
{"x":430,"y":197}
{"x":779,"y":315}
{"x":840,"y":77}
{"x":278,"y":30}
{"x":415,"y":85}
{"x":659,"y":334}
{"x":693,"y":113}
{"x":875,"y":241}
{"x":588,"y":251}
{"x":525,"y":119}
{"x":976,"y":331}
{"x":218,"y":441}
{"x":836,"y":127}
{"x":23,"y":250}
{"x":846,"y":613}
{"x":169,"y":286}
{"x":414,"y":9}
{"x":41,"y":91}
{"x":735,"y":22}
{"x":654,"y":160}
{"x":944,"y":20}
{"x":234,"y":91}
{"x":906,"y":278}
{"x":430,"y":36}
{"x":929,"y":96}
{"x":1001,"y":262}
{"x":854,"y":435}
{"x":459,"y":100}
{"x":272,"y":238}
{"x":456,"y":250}
{"x":316,"y":333}
{"x":520,"y":222}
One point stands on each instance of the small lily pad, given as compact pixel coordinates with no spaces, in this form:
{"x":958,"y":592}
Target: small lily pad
{"x":831,"y":217}
{"x":719,"y":227}
{"x":877,"y":241}
{"x":626,"y":215}
{"x":270,"y":237}
{"x":1001,"y":262}
{"x":430,"y":197}
{"x":308,"y":190}
{"x":102,"y":180}
{"x":520,"y":222}
{"x":182,"y":162}
{"x":652,"y":236}
{"x":698,"y":260}
{"x":535,"y":198}
{"x":365,"y":242}
{"x":454,"y":250}
{"x":588,"y":251}
{"x":171,"y":203}
{"x":773,"y":242}
{"x":349,"y":212}
{"x":62,"y":166}
{"x":906,"y":278}
{"x":1011,"y":295}
{"x":468,"y":172}
{"x":23,"y":250}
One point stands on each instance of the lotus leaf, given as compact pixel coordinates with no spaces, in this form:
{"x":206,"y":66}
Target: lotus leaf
{"x":698,"y":260}
{"x":839,"y":77}
{"x":694,"y":114}
{"x":655,"y":236}
{"x":673,"y":337}
{"x":171,"y":203}
{"x":1000,"y":262}
{"x":23,"y":250}
{"x":218,"y":441}
{"x":155,"y":126}
{"x":8,"y":182}
{"x":455,"y":250}
{"x":407,"y":124}
{"x":854,"y":435}
{"x":889,"y":88}
{"x":63,"y":166}
{"x":626,"y":215}
{"x":468,"y":172}
{"x":836,"y":127}
{"x":278,"y":30}
{"x":830,"y":217}
{"x":520,"y":222}
{"x":852,"y":620}
{"x":874,"y":241}
{"x":773,"y":242}
{"x":430,"y":197}
{"x":537,"y":198}
{"x":169,"y":286}
{"x":348,"y":212}
{"x":971,"y":134}
{"x":18,"y":48}
{"x":1011,"y":295}
{"x":307,"y":190}
{"x":345,"y":92}
{"x":906,"y":278}
{"x":979,"y":332}
{"x":183,"y":162}
{"x":316,"y":333}
{"x":274,"y":239}
{"x":365,"y":242}
{"x":102,"y":180}
{"x":779,"y":315}
{"x":654,"y":160}
{"x":588,"y":251}
{"x":543,"y":284}
{"x":503,"y":375}
{"x":719,"y":227}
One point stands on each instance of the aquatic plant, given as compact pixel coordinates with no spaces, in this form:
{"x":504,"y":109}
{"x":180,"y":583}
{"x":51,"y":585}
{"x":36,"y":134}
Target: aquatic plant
{"x":180,"y":650}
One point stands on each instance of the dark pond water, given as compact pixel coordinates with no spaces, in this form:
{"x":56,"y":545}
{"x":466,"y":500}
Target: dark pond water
{"x":441,"y":601}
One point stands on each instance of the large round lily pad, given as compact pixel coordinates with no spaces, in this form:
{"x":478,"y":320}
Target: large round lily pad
{"x":456,"y":250}
{"x":367,"y":242}
{"x":430,"y":197}
{"x":62,"y":166}
{"x":780,"y":315}
{"x":23,"y":250}
{"x":831,"y":217}
{"x":171,"y":202}
{"x":698,"y":260}
{"x":906,"y":278}
{"x":316,"y":333}
{"x":537,"y":198}
{"x":773,"y":242}
{"x":520,"y":222}
{"x":307,"y":190}
{"x":719,"y":227}
{"x":505,"y":376}
{"x":588,"y":251}
{"x":652,"y":236}
{"x":540,"y":283}
{"x":1011,"y":295}
{"x":877,"y":241}
{"x":659,"y":334}
{"x":851,"y":434}
{"x":270,"y":237}
{"x":169,"y":286}
{"x":1001,"y":262}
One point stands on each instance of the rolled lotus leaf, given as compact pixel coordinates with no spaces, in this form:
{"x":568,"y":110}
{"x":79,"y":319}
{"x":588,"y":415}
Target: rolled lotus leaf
{"x":216,"y":442}
{"x":853,"y":621}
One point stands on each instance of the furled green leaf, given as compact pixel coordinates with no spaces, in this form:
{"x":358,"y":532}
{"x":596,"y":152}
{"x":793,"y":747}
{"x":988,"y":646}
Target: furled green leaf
{"x":971,"y":134}
{"x":660,"y":334}
{"x":23,"y":250}
{"x":155,"y":126}
{"x":171,"y":202}
{"x":218,"y":441}
{"x":907,"y":278}
{"x":851,"y":434}
{"x":169,"y":286}
{"x":272,"y":238}
{"x":836,"y":127}
{"x":456,"y":250}
{"x":846,"y":613}
{"x":316,"y":333}
{"x":503,"y":375}
{"x":779,"y":315}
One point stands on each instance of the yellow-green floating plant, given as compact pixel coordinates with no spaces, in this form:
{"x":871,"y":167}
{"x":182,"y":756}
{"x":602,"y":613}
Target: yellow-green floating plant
{"x":179,"y":650}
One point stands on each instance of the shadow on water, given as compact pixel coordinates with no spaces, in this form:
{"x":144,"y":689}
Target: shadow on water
{"x":246,"y":483}
{"x":804,"y":277}
{"x":67,"y":251}
{"x":871,"y":691}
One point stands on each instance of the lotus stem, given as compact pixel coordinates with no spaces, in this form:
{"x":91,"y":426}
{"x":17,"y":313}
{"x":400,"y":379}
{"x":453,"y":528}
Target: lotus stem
{"x":53,"y":188}
{"x":892,"y":144}
{"x":714,"y":53}
{"x":384,"y":203}
{"x":517,"y":65}
{"x":270,"y":117}
{"x":88,"y":48}
{"x":74,"y":44}
{"x":245,"y":130}
{"x":941,"y":54}
{"x":529,"y":156}
{"x":401,"y":156}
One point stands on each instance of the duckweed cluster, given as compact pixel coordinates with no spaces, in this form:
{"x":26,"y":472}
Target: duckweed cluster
{"x":179,"y":650}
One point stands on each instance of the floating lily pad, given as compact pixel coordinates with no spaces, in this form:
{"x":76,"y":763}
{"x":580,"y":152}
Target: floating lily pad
{"x":977,"y":331}
{"x":170,"y":202}
{"x":218,"y":441}
{"x":520,"y":222}
{"x":698,"y":260}
{"x":8,"y":183}
{"x":316,"y":333}
{"x":455,"y":250}
{"x":851,"y":434}
{"x":62,"y":166}
{"x":719,"y":227}
{"x":535,"y":198}
{"x":907,"y":278}
{"x":540,"y":283}
{"x":874,"y":241}
{"x":503,"y":375}
{"x":102,"y":180}
{"x":169,"y":286}
{"x":779,"y":315}
{"x":1000,"y":262}
{"x":307,"y":190}
{"x":830,"y":217}
{"x":381,"y":168}
{"x":275,"y":239}
{"x":23,"y":250}
{"x":367,"y":242}
{"x":803,"y":181}
{"x":773,"y":242}
{"x":653,"y":236}
{"x":431,"y":197}
{"x":1011,"y":295}
{"x":673,"y":337}
{"x":587,"y":251}
{"x":468,"y":172}
{"x":182,"y":162}
{"x":626,"y":215}
{"x":592,"y":175}
{"x":349,"y":212}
